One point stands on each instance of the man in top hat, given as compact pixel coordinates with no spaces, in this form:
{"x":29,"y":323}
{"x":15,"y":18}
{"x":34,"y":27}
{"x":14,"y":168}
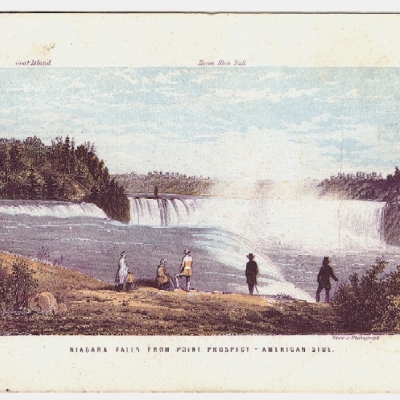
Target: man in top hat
{"x":323,"y":279}
{"x":251,"y":273}
{"x":186,"y":269}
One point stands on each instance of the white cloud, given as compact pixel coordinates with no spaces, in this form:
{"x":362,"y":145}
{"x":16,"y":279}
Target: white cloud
{"x":239,"y":95}
{"x":169,"y":92}
{"x":302,"y":127}
{"x":116,"y":93}
{"x":76,"y":85}
{"x":167,"y":78}
{"x":294,"y":92}
{"x":276,"y":75}
{"x":272,"y":75}
{"x":351,"y":94}
{"x":125,"y":106}
{"x":205,"y":75}
{"x":307,"y":126}
{"x":127,"y":75}
{"x":25,"y":88}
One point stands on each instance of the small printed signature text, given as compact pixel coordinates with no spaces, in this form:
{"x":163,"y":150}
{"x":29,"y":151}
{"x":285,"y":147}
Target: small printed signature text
{"x":33,"y":62}
{"x":356,"y":337}
{"x":222,"y":63}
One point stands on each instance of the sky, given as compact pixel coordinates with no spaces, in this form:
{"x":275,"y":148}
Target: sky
{"x":236,"y":123}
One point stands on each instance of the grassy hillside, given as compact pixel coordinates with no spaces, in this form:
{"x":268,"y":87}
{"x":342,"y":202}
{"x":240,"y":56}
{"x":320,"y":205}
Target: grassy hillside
{"x":94,"y":308}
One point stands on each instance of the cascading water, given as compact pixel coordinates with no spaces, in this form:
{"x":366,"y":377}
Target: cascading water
{"x":309,"y":224}
{"x":165,"y":211}
{"x":56,"y":209}
{"x":288,"y":237}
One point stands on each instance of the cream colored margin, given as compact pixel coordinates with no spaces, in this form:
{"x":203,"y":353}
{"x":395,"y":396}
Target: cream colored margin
{"x":328,"y":364}
{"x":181,"y":40}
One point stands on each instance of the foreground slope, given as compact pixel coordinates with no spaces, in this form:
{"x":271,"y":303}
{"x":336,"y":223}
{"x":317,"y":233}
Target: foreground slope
{"x":94,"y":308}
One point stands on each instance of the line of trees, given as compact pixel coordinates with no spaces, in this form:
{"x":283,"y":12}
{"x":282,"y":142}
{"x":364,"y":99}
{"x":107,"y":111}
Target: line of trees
{"x":363,"y":186}
{"x":166,"y":182}
{"x":62,"y":171}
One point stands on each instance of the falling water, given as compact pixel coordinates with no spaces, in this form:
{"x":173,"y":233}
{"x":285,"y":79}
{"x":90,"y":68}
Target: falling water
{"x":161,"y":211}
{"x":288,"y":237}
{"x":332,"y":224}
{"x":57,"y":209}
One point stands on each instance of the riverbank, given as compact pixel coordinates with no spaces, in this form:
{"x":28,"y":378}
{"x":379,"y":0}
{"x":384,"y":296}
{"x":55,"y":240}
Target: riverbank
{"x":94,"y":308}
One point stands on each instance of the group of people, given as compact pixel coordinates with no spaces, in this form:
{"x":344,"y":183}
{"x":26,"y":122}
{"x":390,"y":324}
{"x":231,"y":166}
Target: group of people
{"x":164,"y":281}
{"x":125,"y":276}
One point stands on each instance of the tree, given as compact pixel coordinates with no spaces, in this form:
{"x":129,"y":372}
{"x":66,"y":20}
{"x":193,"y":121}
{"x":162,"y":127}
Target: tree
{"x":34,"y":186}
{"x":66,"y":156}
{"x":16,"y":163}
{"x":4,"y":160}
{"x":50,"y":188}
{"x":372,"y":302}
{"x":5,"y":292}
{"x":22,"y":283}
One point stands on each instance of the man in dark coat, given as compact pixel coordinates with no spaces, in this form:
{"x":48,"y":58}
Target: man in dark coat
{"x":323,"y":279}
{"x":251,"y":273}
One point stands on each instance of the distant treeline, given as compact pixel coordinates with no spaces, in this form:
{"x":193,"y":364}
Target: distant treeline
{"x":363,"y":186}
{"x":164,"y":182}
{"x":31,"y":170}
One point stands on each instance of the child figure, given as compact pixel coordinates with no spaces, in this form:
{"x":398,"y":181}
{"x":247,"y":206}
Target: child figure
{"x":129,"y":281}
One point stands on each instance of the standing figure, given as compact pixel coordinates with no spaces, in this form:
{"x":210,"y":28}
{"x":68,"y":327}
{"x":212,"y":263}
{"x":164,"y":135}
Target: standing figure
{"x":122,"y":272}
{"x":164,"y":281}
{"x":129,"y":281}
{"x":186,"y":269}
{"x":251,"y":273}
{"x":323,"y":279}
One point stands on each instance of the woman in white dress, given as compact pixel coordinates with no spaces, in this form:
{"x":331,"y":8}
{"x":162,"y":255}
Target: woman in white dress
{"x":122,"y":272}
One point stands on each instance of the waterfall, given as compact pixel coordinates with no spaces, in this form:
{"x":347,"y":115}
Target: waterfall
{"x":56,"y":209}
{"x":308,"y":224}
{"x":161,"y":211}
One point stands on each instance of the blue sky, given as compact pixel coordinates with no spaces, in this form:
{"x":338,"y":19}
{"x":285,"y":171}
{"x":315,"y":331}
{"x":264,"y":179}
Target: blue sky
{"x":239,"y":123}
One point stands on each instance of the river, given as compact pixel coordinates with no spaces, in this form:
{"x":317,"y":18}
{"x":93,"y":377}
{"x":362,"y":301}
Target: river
{"x":289,"y":238}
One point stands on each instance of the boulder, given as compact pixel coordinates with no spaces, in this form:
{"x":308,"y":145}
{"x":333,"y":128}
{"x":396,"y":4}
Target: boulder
{"x":62,"y":309}
{"x":44,"y":303}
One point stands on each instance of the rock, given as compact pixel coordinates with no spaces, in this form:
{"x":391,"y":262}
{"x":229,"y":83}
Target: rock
{"x":62,"y":309}
{"x":44,"y":303}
